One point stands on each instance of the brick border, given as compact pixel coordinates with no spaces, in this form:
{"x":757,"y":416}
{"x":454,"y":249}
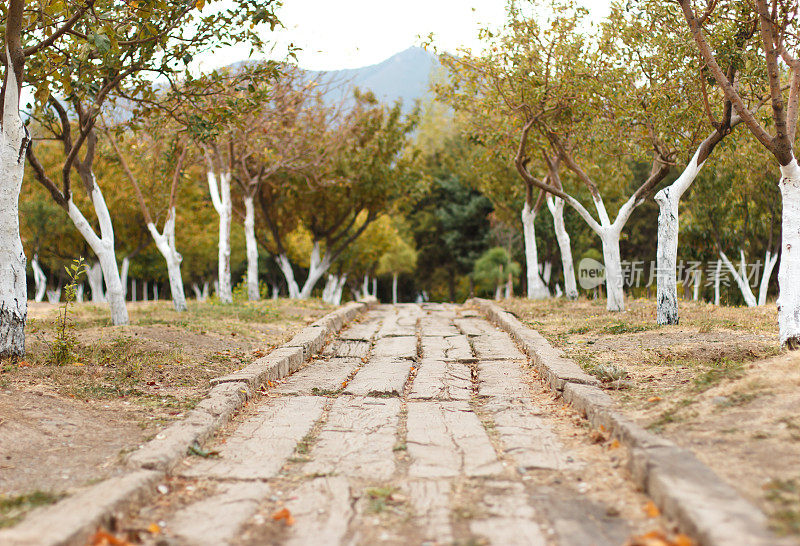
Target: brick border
{"x":74,"y":519}
{"x":685,"y":489}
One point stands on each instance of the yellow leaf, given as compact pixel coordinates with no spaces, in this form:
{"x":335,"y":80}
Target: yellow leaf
{"x":80,"y":364}
{"x":614,"y":444}
{"x":200,"y":4}
{"x":284,"y":515}
{"x":154,"y":529}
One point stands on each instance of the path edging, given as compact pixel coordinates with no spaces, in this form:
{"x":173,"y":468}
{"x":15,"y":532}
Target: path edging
{"x":74,"y":519}
{"x":684,"y":488}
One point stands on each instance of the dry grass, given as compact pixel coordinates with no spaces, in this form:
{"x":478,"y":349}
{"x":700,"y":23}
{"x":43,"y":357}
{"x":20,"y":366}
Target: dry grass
{"x":718,"y":383}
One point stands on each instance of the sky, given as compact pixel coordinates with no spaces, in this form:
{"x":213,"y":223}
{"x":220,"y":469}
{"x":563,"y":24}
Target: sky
{"x":336,"y":34}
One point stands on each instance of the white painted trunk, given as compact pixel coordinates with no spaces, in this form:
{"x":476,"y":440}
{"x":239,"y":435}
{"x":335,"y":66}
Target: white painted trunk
{"x":769,"y":264}
{"x":741,"y":278}
{"x":165,"y":242}
{"x":365,"y":288}
{"x":556,"y":206}
{"x":498,"y":292}
{"x":276,"y":291}
{"x":374,"y":287}
{"x":205,"y":290}
{"x":509,"y":289}
{"x":537,"y":290}
{"x":103,"y":247}
{"x":547,"y":271}
{"x":126,"y":264}
{"x":559,"y":293}
{"x":330,"y":287}
{"x":39,"y":279}
{"x":615,"y":295}
{"x":54,"y":295}
{"x":79,"y":293}
{"x":13,"y":281}
{"x":318,"y":266}
{"x":789,"y":271}
{"x":198,"y":295}
{"x":394,"y":287}
{"x":145,"y":288}
{"x":717,"y":279}
{"x":155,"y":291}
{"x":221,"y":198}
{"x":252,"y":249}
{"x":95,"y":277}
{"x":667,"y":243}
{"x":337,"y":296}
{"x":698,"y":277}
{"x":133,"y":290}
{"x":288,"y":274}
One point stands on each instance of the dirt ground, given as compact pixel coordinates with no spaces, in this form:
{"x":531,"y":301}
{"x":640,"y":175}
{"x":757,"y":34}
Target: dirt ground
{"x":65,"y":426}
{"x":718,"y":384}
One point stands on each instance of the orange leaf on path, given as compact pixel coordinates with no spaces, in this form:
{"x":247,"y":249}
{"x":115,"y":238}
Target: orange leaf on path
{"x":104,"y":538}
{"x":651,"y":510}
{"x":154,"y":529}
{"x":284,"y":515}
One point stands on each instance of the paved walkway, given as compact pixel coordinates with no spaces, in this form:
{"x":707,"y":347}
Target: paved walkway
{"x":417,"y":425}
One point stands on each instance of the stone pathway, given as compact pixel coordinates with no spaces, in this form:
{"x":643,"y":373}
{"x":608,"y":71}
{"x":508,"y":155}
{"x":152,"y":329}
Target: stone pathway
{"x":417,"y":425}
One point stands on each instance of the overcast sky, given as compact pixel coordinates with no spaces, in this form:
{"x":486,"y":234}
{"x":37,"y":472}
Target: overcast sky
{"x":354,"y":33}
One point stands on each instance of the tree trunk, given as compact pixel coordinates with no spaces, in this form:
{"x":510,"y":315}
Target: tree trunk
{"x":698,"y":277}
{"x":537,"y":290}
{"x":667,"y":244}
{"x":221,"y":199}
{"x":103,"y":247}
{"x":498,"y":292}
{"x":252,"y":249}
{"x":165,"y":242}
{"x":276,"y":291}
{"x":126,"y":264}
{"x":547,"y":271}
{"x":79,"y":293}
{"x":337,"y":297}
{"x":133,"y":290}
{"x":769,"y":264}
{"x":374,"y":287}
{"x":13,"y":281}
{"x":741,"y":278}
{"x":145,"y":288}
{"x":613,"y":263}
{"x":318,"y":266}
{"x":510,"y":287}
{"x":330,"y":286}
{"x":155,"y":291}
{"x":95,"y":276}
{"x":39,"y":279}
{"x":54,"y":295}
{"x":365,"y":288}
{"x":556,"y":206}
{"x":394,"y":287}
{"x":789,"y":271}
{"x":717,"y":278}
{"x":198,"y":295}
{"x":288,"y":273}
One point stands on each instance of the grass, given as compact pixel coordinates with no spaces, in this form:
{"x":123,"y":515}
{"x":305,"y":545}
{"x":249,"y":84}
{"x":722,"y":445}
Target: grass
{"x":382,"y":498}
{"x":785,"y":496}
{"x":12,"y":509}
{"x":620,"y":327}
{"x":670,"y":415}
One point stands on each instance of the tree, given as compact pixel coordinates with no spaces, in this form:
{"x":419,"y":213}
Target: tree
{"x":24,"y":39}
{"x":117,"y":51}
{"x":495,"y":269}
{"x":173,"y":158}
{"x":777,"y":40}
{"x":401,"y":258}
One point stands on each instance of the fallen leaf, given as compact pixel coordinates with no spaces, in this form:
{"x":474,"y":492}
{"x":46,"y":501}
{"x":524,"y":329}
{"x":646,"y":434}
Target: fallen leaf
{"x":284,"y":515}
{"x":683,"y":540}
{"x":614,"y":444}
{"x":104,"y":538}
{"x":651,"y":510}
{"x":154,"y":529}
{"x":658,"y":538}
{"x":344,"y":384}
{"x":654,"y":399}
{"x":80,"y":364}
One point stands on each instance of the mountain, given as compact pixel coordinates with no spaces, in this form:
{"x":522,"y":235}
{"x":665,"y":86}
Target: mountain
{"x":404,"y":76}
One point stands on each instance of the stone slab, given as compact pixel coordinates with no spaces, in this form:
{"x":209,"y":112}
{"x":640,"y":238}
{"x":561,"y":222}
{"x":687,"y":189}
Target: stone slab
{"x":395,"y":347}
{"x":276,"y":365}
{"x":430,"y":500}
{"x":217,"y":519}
{"x":447,"y":439}
{"x":474,"y":326}
{"x":361,"y":331}
{"x":437,"y":325}
{"x":503,"y":379}
{"x":320,"y":377}
{"x":527,"y":437}
{"x":259,"y":447}
{"x":439,"y":380}
{"x":495,"y":346}
{"x":322,"y":509}
{"x":357,"y":439}
{"x":381,"y":376}
{"x":447,"y":348}
{"x":511,"y":520}
{"x":347,"y":348}
{"x":311,"y":339}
